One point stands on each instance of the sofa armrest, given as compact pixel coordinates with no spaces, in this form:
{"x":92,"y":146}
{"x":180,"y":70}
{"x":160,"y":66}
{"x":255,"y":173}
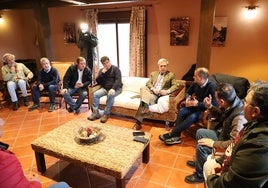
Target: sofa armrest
{"x":175,"y":97}
{"x":90,"y":91}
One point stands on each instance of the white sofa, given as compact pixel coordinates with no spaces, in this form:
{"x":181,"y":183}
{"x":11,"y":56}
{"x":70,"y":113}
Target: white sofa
{"x":128,"y":101}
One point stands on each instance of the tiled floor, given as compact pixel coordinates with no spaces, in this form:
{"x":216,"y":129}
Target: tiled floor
{"x":166,"y":169}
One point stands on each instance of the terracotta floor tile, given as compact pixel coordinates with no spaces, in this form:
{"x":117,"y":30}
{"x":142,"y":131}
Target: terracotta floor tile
{"x":166,"y":169}
{"x":163,"y":158}
{"x":156,"y":173}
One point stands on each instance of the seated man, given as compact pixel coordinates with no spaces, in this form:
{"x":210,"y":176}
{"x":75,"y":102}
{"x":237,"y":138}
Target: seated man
{"x":109,"y":77}
{"x":231,"y":119}
{"x":16,"y":75}
{"x":201,"y":87}
{"x":154,"y":96}
{"x":47,"y":80}
{"x":248,"y":164}
{"x":76,"y":80}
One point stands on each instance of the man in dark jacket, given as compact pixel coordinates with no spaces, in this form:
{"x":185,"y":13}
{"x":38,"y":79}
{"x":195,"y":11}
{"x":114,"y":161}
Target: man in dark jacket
{"x":76,"y":80}
{"x":201,"y":87}
{"x":231,"y":120}
{"x":110,"y":79}
{"x":47,"y":80}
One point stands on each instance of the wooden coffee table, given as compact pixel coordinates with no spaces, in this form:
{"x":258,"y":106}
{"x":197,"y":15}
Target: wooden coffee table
{"x":114,"y":155}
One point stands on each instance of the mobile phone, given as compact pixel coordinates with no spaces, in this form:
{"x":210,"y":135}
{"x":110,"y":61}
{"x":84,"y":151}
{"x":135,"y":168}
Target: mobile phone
{"x":141,"y":139}
{"x":139,"y":133}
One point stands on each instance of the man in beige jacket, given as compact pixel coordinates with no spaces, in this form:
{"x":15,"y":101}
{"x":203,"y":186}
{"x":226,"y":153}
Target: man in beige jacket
{"x":16,"y":75}
{"x":156,"y":92}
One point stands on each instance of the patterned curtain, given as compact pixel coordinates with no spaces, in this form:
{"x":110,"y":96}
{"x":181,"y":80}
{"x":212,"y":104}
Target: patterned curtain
{"x":92,"y":21}
{"x":137,"y":41}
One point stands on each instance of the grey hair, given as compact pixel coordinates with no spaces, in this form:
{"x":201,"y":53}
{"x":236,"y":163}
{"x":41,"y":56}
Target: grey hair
{"x":7,"y":55}
{"x":44,"y":59}
{"x":162,"y":60}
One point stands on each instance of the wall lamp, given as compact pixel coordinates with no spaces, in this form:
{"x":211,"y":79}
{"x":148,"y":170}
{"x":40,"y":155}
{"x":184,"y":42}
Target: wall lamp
{"x":1,"y":19}
{"x":251,"y":11}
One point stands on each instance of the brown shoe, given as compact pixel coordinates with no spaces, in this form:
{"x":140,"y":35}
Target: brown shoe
{"x":137,"y":126}
{"x":95,"y":115}
{"x":104,"y":118}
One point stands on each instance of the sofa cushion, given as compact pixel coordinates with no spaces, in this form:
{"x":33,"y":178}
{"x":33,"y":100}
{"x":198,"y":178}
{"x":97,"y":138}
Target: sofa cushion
{"x":133,"y":83}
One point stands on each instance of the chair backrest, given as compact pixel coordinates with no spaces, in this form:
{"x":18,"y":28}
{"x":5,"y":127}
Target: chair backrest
{"x":61,"y":67}
{"x":240,"y":84}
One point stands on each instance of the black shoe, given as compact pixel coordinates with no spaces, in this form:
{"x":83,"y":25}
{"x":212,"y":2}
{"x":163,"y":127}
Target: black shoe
{"x":35,"y":106}
{"x":51,"y":108}
{"x":164,"y":137}
{"x":194,"y":178}
{"x":191,"y":164}
{"x":77,"y":111}
{"x":70,"y":110}
{"x":26,"y":101}
{"x":15,"y":105}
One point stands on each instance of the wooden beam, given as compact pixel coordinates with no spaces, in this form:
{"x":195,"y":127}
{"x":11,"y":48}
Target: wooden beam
{"x":43,"y":30}
{"x":207,"y":14}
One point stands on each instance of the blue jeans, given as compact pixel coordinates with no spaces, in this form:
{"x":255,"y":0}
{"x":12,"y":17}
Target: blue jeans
{"x":202,"y":152}
{"x":186,"y":117}
{"x":109,"y":102}
{"x":70,"y":101}
{"x":51,"y":92}
{"x":12,"y":86}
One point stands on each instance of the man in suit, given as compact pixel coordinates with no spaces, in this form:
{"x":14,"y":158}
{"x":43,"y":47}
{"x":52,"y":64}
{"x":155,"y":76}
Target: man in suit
{"x":154,"y":95}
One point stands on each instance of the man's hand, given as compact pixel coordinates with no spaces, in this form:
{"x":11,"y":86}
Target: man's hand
{"x":41,"y":87}
{"x":63,"y":91}
{"x":216,"y":169}
{"x":191,"y":102}
{"x":13,"y":69}
{"x":163,"y":92}
{"x":206,"y":142}
{"x":207,"y":101}
{"x":111,"y":92}
{"x":78,"y":85}
{"x":104,"y":70}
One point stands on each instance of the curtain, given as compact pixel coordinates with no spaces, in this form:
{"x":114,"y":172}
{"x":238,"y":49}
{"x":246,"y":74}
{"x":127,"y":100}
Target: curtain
{"x":137,"y":41}
{"x":92,"y":21}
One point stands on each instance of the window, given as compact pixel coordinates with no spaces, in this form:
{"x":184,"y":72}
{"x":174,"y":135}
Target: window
{"x":113,"y":35}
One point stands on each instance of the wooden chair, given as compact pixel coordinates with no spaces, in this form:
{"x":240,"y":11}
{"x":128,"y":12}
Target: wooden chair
{"x":62,"y":68}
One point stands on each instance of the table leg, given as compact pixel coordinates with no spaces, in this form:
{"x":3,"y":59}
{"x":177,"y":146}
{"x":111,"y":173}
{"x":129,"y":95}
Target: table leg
{"x":146,"y":154}
{"x":120,"y":183}
{"x":40,"y":161}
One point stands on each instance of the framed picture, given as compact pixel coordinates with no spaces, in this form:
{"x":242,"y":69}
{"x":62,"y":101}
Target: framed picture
{"x":179,"y":31}
{"x":219,"y":31}
{"x":69,"y":33}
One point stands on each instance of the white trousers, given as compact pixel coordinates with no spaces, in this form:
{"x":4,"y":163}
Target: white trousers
{"x":12,"y":86}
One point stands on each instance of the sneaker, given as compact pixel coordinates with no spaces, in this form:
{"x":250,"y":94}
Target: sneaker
{"x":35,"y":106}
{"x":172,"y":141}
{"x":104,"y":118}
{"x":95,"y":115}
{"x":164,"y":137}
{"x":51,"y":108}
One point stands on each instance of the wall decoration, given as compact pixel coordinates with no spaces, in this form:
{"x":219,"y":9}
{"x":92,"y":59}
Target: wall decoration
{"x":219,"y":31}
{"x":69,"y":33}
{"x":179,"y":31}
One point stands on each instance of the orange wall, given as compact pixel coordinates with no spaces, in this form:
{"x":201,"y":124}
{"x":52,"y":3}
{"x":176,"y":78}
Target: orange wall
{"x":245,"y":53}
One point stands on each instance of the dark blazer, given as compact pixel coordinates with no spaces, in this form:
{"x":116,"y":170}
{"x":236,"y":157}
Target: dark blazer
{"x":71,"y":77}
